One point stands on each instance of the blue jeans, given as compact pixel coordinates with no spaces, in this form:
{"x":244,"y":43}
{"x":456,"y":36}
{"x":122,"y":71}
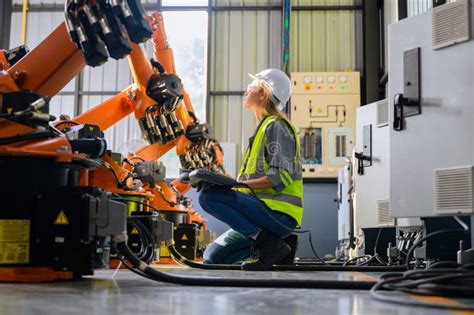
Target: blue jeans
{"x":246,"y":216}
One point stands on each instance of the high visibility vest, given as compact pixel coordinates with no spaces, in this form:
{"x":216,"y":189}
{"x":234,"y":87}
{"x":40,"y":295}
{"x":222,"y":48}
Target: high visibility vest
{"x":290,"y":199}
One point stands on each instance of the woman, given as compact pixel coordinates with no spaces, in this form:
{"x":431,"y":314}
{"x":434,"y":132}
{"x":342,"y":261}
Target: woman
{"x":272,"y":168}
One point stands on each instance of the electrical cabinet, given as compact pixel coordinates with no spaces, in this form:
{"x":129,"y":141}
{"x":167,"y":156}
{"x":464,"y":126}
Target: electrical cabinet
{"x":432,"y":113}
{"x":372,"y":177}
{"x":323,"y":106}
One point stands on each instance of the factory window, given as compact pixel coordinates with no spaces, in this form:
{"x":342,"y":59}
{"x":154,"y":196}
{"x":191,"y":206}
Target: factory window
{"x":187,"y":36}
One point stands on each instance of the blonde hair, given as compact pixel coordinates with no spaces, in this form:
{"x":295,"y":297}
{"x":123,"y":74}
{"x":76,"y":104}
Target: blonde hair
{"x":269,"y":108}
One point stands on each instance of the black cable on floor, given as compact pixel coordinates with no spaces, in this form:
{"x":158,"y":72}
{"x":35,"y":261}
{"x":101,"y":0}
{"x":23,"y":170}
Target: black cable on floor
{"x":442,"y":281}
{"x":143,"y":268}
{"x":367,"y":257}
{"x":180,"y":258}
{"x":444,"y":278}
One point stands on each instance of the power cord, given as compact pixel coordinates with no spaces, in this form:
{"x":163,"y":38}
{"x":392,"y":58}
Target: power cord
{"x":145,"y":252}
{"x":432,"y":235}
{"x":444,"y":278}
{"x":457,"y":281}
{"x":295,"y":267}
{"x":139,"y":267}
{"x":120,"y":198}
{"x":25,"y":137}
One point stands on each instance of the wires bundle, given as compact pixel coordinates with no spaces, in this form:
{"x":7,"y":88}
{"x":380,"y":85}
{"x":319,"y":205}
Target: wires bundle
{"x":366,"y":260}
{"x":145,"y":250}
{"x":445,"y":279}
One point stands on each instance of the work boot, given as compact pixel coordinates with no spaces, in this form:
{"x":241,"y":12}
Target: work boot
{"x":268,"y":249}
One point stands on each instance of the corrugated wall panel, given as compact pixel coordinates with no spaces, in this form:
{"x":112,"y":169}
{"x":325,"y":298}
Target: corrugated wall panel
{"x":323,"y":40}
{"x":39,"y":26}
{"x":416,"y":7}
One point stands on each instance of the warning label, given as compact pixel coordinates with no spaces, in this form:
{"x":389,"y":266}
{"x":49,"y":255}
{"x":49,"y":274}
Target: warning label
{"x":61,"y":219}
{"x":134,"y":231}
{"x":184,"y":237}
{"x":14,"y":241}
{"x":14,"y":253}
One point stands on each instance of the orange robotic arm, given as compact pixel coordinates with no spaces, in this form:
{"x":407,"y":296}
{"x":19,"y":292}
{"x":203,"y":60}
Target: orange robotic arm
{"x":50,"y":66}
{"x":47,"y":68}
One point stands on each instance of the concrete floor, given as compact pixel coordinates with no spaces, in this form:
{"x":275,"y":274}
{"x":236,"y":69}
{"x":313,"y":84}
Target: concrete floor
{"x":128,"y":293}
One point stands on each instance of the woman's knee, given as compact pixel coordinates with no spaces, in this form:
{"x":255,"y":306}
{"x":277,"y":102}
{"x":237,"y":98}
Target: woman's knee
{"x":206,"y":198}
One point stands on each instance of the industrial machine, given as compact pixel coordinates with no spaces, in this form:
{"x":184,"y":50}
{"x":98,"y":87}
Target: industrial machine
{"x":371,"y":167}
{"x":432,"y":136}
{"x":54,"y":224}
{"x":67,"y":236}
{"x":432,"y":122}
{"x":372,"y":187}
{"x":323,"y":107}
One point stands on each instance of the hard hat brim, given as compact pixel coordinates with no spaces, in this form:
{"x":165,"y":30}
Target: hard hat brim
{"x":253,"y":76}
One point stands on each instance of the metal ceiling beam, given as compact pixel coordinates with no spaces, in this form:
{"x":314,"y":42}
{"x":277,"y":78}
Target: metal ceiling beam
{"x":402,"y":7}
{"x":371,"y":55}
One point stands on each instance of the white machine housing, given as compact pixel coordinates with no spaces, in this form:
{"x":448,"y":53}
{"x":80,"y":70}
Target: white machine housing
{"x":372,"y":188}
{"x":432,"y":158}
{"x":323,"y":106}
{"x":372,"y":191}
{"x":344,"y":198}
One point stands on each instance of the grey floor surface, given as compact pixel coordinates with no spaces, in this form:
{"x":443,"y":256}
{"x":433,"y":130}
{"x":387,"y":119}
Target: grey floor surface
{"x":127,"y":293}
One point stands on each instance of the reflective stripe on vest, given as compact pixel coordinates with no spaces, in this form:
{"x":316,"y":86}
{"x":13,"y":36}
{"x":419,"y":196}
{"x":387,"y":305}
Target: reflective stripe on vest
{"x":294,"y":200}
{"x":290,"y":199}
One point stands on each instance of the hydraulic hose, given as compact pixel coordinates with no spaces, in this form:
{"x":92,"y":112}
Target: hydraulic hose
{"x":174,"y":252}
{"x":25,"y":137}
{"x":145,"y":270}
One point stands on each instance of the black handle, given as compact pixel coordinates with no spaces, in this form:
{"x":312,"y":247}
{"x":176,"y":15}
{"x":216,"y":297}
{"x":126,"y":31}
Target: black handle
{"x":399,"y":102}
{"x":360,"y":162}
{"x":398,"y":112}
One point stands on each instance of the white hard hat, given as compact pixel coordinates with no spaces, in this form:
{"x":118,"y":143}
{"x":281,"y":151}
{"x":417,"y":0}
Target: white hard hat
{"x":278,"y":84}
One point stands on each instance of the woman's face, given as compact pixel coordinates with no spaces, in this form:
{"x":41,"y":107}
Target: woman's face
{"x":253,"y":96}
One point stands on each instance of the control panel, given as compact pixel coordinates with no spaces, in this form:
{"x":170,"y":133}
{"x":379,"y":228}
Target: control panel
{"x":323,"y":108}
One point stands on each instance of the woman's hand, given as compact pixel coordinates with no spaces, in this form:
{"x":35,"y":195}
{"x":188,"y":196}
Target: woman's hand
{"x":262,"y":182}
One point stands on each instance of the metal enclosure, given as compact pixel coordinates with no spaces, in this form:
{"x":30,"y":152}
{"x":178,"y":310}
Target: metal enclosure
{"x":344,"y":188}
{"x":372,"y":187}
{"x":323,"y":106}
{"x":432,"y":157}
